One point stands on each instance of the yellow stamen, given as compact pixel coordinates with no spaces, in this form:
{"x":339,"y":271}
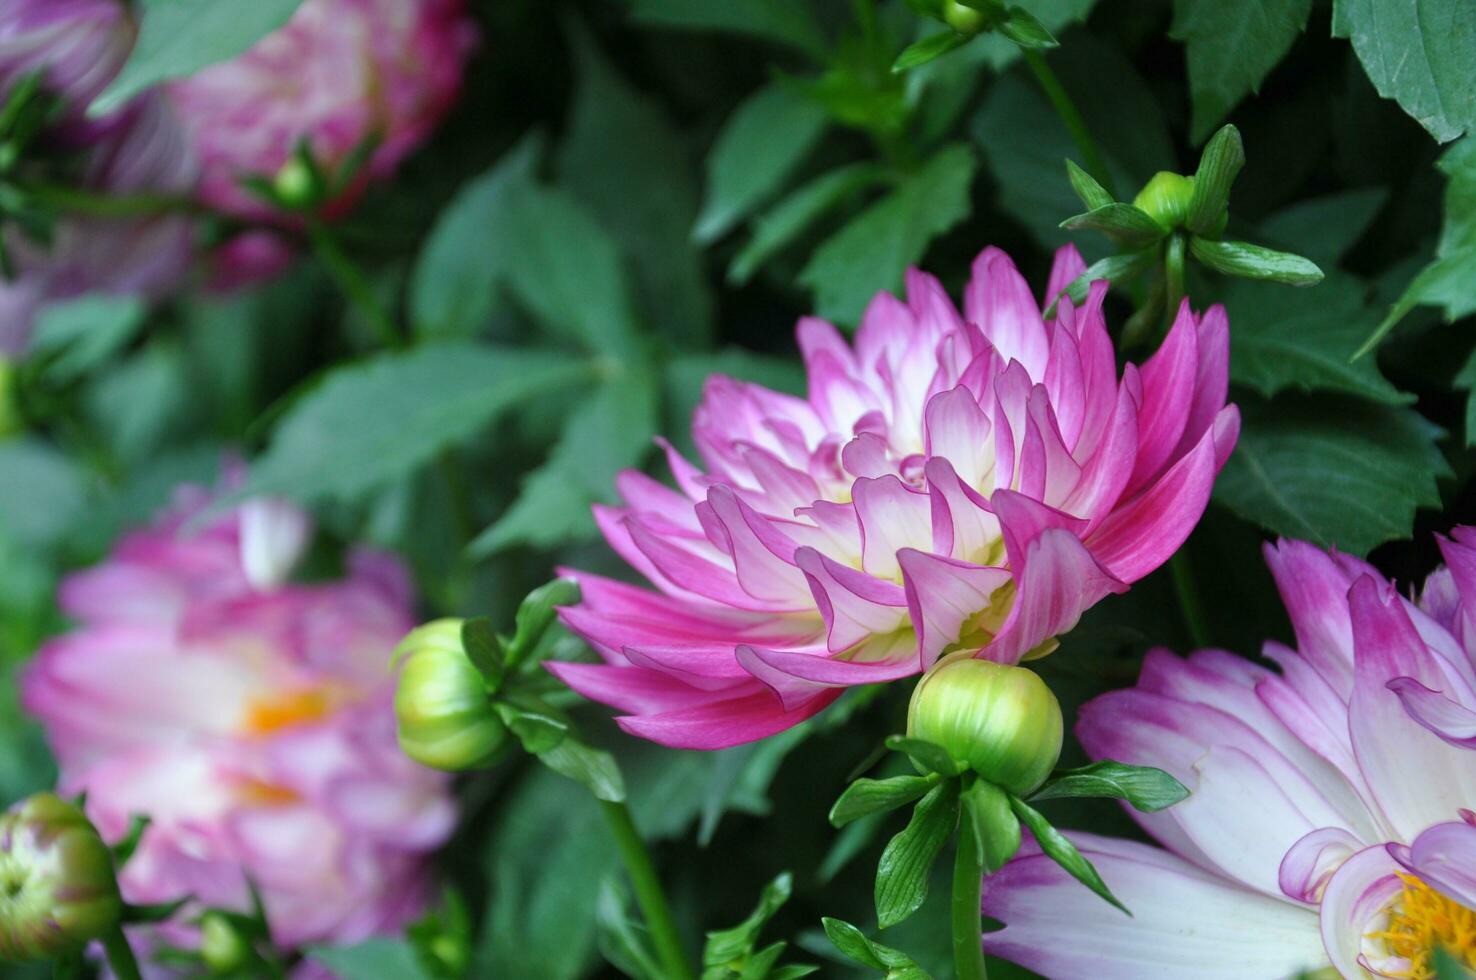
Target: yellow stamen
{"x":265,"y":716}
{"x":1422,"y":920}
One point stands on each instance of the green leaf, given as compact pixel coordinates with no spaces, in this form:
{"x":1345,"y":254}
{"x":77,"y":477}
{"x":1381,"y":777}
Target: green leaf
{"x":904,"y":869}
{"x":622,"y":158}
{"x":1114,"y":268}
{"x":763,"y":141}
{"x":1092,"y":194}
{"x":609,"y":431}
{"x":536,"y":725}
{"x":1465,"y":380}
{"x":854,"y":944}
{"x":874,"y":249}
{"x":372,"y":959}
{"x":179,"y":37}
{"x":1123,"y":223}
{"x":83,"y":333}
{"x":866,"y":796}
{"x":140,"y":401}
{"x":1062,"y":851}
{"x":725,"y":946}
{"x":772,"y":20}
{"x":453,"y":284}
{"x":381,"y":418}
{"x":930,"y":48}
{"x":927,"y":755}
{"x":592,"y":768}
{"x":1219,"y":165}
{"x":1421,"y":54}
{"x":484,"y":649}
{"x":1022,"y":27}
{"x":1447,"y":280}
{"x":1027,"y":172}
{"x":992,"y":825}
{"x":999,"y":52}
{"x":1325,"y":228}
{"x":1338,"y":472}
{"x":1255,"y":262}
{"x":795,"y":213}
{"x":567,"y":271}
{"x":1232,"y":45}
{"x":537,"y":613}
{"x":43,"y":493}
{"x":1304,"y":338}
{"x":1146,"y":788}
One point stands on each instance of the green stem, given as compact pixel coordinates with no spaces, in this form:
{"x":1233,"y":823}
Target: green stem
{"x":968,"y":893}
{"x":647,"y":885}
{"x":120,"y":954}
{"x":352,"y":282}
{"x":1066,"y":109}
{"x":92,"y":204}
{"x":1188,"y":595}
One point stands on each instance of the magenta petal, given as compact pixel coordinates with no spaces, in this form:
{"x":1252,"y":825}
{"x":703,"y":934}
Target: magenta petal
{"x":630,"y":688}
{"x":723,"y":724}
{"x":1056,"y":580}
{"x":1168,"y":395}
{"x":1065,"y":267}
{"x":1453,"y":722}
{"x":796,"y":678}
{"x":853,"y":605}
{"x":942,"y":594}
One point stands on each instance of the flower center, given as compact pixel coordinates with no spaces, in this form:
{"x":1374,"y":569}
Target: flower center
{"x":1421,"y":921}
{"x":266,"y":716}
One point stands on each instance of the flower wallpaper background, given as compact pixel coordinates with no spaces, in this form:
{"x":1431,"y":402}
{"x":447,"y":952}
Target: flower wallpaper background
{"x":737,"y":489}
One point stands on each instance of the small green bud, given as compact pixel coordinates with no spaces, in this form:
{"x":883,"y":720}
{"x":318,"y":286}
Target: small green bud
{"x":222,"y":946}
{"x":1002,"y":721}
{"x":1165,"y":198}
{"x":965,"y":20}
{"x":295,"y":185}
{"x":445,"y":716}
{"x":58,"y":890}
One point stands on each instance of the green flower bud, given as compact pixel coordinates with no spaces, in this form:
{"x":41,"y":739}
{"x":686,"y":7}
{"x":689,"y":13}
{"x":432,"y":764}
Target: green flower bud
{"x":446,"y":719}
{"x":1165,"y":198}
{"x":57,"y":886}
{"x":965,"y":20}
{"x":1002,"y":721}
{"x":295,"y":185}
{"x":222,"y":946}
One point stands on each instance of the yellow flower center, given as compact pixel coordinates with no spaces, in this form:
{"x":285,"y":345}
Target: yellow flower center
{"x":1421,"y":921}
{"x":266,"y":716}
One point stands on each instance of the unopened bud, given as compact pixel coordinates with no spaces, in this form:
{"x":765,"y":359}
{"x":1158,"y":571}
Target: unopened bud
{"x":222,"y":946}
{"x":446,"y":720}
{"x":296,"y":185}
{"x":58,"y":890}
{"x":1165,"y":198}
{"x":965,"y":20}
{"x":1002,"y":721}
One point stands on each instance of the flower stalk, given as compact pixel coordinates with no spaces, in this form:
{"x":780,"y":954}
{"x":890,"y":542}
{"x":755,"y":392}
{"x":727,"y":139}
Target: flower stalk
{"x":1065,"y":108}
{"x":120,"y":955}
{"x":968,"y":894}
{"x":648,"y":891}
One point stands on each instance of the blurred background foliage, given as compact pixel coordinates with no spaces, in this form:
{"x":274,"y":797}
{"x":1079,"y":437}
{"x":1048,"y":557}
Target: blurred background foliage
{"x":634,"y":194}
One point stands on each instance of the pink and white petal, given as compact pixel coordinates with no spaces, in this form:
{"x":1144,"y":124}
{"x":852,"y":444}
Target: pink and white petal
{"x":705,"y":665}
{"x":1168,"y":395}
{"x":1311,"y":862}
{"x":1212,"y":381}
{"x":678,"y":561}
{"x":645,"y":495}
{"x":958,"y":430}
{"x":1066,"y":383}
{"x":1184,"y":922}
{"x":866,"y":456}
{"x":1066,"y":265}
{"x":1056,"y":580}
{"x":723,"y":724}
{"x":972,"y":527}
{"x":274,"y":533}
{"x":1444,"y":857}
{"x":633,"y":689}
{"x":943,"y":594}
{"x":1453,"y":722}
{"x":854,"y":605}
{"x":796,"y":678}
{"x":763,"y":556}
{"x":1417,"y":778}
{"x":893,"y":517}
{"x":1105,"y":475}
{"x":998,"y":299}
{"x":1314,"y":588}
{"x":1354,"y":904}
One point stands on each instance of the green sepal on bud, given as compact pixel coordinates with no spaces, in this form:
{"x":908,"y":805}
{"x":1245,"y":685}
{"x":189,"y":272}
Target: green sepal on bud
{"x":443,"y":708}
{"x":1001,"y":721}
{"x":58,"y":889}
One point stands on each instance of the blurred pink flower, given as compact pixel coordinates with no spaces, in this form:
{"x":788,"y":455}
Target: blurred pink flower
{"x":80,"y":45}
{"x":1329,"y":821}
{"x":338,"y":72}
{"x":950,"y":482}
{"x":249,"y":719}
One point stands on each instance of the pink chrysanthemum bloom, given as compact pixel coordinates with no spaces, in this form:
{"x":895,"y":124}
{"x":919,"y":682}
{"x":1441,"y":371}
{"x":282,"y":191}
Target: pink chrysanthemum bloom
{"x":337,"y":73}
{"x":251,"y":720}
{"x":950,"y":483}
{"x":78,"y":46}
{"x":1329,"y":823}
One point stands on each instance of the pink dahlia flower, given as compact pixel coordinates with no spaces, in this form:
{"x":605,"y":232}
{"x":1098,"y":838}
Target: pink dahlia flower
{"x":251,"y":720}
{"x":1329,"y":822}
{"x":340,"y":71}
{"x":950,"y":483}
{"x":76,"y":45}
